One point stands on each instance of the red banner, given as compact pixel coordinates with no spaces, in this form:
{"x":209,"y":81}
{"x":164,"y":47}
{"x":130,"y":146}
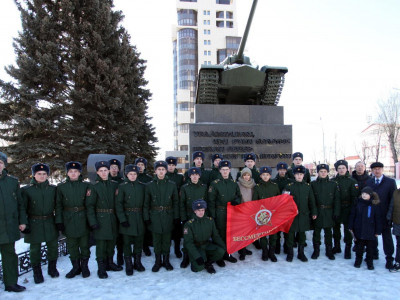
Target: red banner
{"x":252,"y":220}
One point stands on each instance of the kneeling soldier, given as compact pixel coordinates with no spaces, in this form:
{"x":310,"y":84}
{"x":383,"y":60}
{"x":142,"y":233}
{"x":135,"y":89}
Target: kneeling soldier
{"x":100,"y":204}
{"x":197,"y":234}
{"x":39,"y":198}
{"x":129,"y":207}
{"x":71,"y":218}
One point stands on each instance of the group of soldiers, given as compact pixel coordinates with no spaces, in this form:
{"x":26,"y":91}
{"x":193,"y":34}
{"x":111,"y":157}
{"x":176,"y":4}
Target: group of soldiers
{"x":138,"y":210}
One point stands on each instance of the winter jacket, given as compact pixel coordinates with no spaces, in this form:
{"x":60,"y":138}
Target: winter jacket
{"x":361,"y":180}
{"x":394,"y":212}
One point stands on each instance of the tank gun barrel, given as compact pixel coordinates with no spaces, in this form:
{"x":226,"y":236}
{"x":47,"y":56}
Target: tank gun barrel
{"x":246,"y":32}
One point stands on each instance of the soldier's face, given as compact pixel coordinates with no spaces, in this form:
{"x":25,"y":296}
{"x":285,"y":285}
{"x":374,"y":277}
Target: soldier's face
{"x":297,"y":161}
{"x":216,"y":162}
{"x":103,"y":172}
{"x":195,"y":178}
{"x":322,"y":173}
{"x":198,"y":161}
{"x":141,"y":166}
{"x":299,"y":177}
{"x":132,"y":176}
{"x":73,"y":174}
{"x":282,"y":172}
{"x":2,"y":166}
{"x":160,"y":172}
{"x":40,"y":176}
{"x":225,"y":172}
{"x":265,"y":177}
{"x":200,"y":212}
{"x":171,"y":168}
{"x":360,"y":168}
{"x":250,"y":163}
{"x":114,"y":170}
{"x":342,"y":170}
{"x":377,"y":172}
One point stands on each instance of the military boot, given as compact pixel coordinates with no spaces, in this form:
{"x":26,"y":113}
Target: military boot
{"x":370,"y":264}
{"x":289,"y":256}
{"x":84,"y":267}
{"x":248,"y":252}
{"x":146,"y":250}
{"x":16,"y":288}
{"x":52,"y":269}
{"x":157,"y":264}
{"x":111,"y":266}
{"x":220,"y":263}
{"x":166,"y":264}
{"x":316,"y":252}
{"x":137,"y":263}
{"x":177,"y":248}
{"x":358,"y":261}
{"x":128,"y":265}
{"x":76,"y":269}
{"x":120,"y":258}
{"x":329,"y":252}
{"x":271,"y":254}
{"x":336,"y":248}
{"x":37,"y":274}
{"x":242,"y":254}
{"x":185,"y":260}
{"x":230,"y":258}
{"x":257,"y":244}
{"x":300,"y":253}
{"x":347,"y":251}
{"x":101,"y":269}
{"x":285,"y":248}
{"x":264,"y":254}
{"x":209,"y":267}
{"x":278,"y":246}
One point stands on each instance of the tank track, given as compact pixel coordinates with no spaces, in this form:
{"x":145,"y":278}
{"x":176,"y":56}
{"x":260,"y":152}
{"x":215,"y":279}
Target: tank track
{"x":207,"y":92}
{"x":273,"y":85}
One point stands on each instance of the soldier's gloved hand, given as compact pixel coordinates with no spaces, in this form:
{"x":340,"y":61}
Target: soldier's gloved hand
{"x":200,"y":261}
{"x":177,"y":222}
{"x":234,"y":202}
{"x":27,"y":230}
{"x":147,"y":222}
{"x":95,"y":226}
{"x":60,"y":226}
{"x":125,"y":224}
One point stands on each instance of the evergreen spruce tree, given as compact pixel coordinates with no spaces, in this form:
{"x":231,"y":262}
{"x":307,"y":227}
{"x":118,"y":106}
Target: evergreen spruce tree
{"x":78,"y":87}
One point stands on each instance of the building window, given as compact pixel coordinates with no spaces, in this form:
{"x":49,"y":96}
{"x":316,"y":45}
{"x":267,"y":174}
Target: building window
{"x":209,"y":62}
{"x":229,"y":24}
{"x":220,"y":14}
{"x":205,"y":52}
{"x":208,"y":31}
{"x":204,"y":12}
{"x":220,"y":24}
{"x":184,"y":106}
{"x":209,"y":53}
{"x":209,"y":42}
{"x":187,"y":17}
{"x":227,"y":2}
{"x":229,"y":15}
{"x":184,"y":128}
{"x":188,"y":0}
{"x":208,"y":12}
{"x":205,"y":62}
{"x":184,"y":147}
{"x":208,"y":22}
{"x":205,"y":31}
{"x":205,"y":42}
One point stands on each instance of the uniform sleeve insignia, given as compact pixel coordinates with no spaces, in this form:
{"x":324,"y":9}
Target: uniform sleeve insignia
{"x":116,"y":192}
{"x":185,"y":230}
{"x":210,"y":189}
{"x":356,"y":185}
{"x":88,"y":192}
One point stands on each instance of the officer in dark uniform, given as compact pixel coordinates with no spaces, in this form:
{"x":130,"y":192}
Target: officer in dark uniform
{"x":100,"y":204}
{"x":161,"y":213}
{"x":10,"y":223}
{"x":39,"y":198}
{"x":298,"y":161}
{"x":129,"y":207}
{"x":250,"y":162}
{"x":201,"y":239}
{"x":198,"y":162}
{"x":216,"y":158}
{"x":71,"y":218}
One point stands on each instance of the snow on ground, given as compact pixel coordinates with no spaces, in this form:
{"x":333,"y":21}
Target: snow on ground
{"x":249,"y":279}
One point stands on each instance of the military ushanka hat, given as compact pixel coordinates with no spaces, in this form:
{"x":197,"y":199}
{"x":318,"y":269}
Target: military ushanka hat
{"x":323,"y":167}
{"x":73,"y":165}
{"x":131,"y":168}
{"x":115,"y":161}
{"x":224,"y":163}
{"x":3,"y":158}
{"x":141,"y":160}
{"x":40,"y":167}
{"x":198,"y":154}
{"x":282,"y":165}
{"x":266,"y":169}
{"x":249,"y":156}
{"x":299,"y":169}
{"x":216,"y":156}
{"x":341,"y":162}
{"x":376,"y":165}
{"x":101,"y":163}
{"x":194,"y":170}
{"x":297,"y":154}
{"x":199,"y":204}
{"x":171,"y":160}
{"x":160,"y":164}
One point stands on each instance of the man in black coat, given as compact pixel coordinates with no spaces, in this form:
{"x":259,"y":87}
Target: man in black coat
{"x":360,"y":175}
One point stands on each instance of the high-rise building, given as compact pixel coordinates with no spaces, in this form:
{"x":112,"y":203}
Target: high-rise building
{"x":206,"y":32}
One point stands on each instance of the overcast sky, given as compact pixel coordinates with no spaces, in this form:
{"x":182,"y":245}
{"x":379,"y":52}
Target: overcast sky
{"x":342,"y":55}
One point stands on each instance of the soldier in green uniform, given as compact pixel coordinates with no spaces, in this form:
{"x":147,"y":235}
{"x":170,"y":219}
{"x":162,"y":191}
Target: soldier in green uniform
{"x":297,"y":162}
{"x":174,"y":176}
{"x":39,"y":199}
{"x":160,"y":213}
{"x":100,"y":204}
{"x":250,"y":162}
{"x":191,"y":191}
{"x":220,"y":192}
{"x":10,"y":225}
{"x":304,"y":198}
{"x":201,"y":239}
{"x":326,"y":194}
{"x":71,"y":218}
{"x":214,"y":173}
{"x":266,"y":189}
{"x":198,"y":162}
{"x":348,"y":192}
{"x":129,"y":208}
{"x":282,"y":180}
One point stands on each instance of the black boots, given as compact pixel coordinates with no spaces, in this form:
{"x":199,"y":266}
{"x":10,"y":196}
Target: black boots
{"x":242,"y":254}
{"x":264,"y":254}
{"x":146,"y":250}
{"x":37,"y":274}
{"x":300,"y":253}
{"x":111,"y":266}
{"x":84,"y":267}
{"x":185,"y":260}
{"x":120,"y":258}
{"x":128,"y":265}
{"x":220,"y":263}
{"x":289,"y":256}
{"x":336,"y":248}
{"x":76,"y":269}
{"x":347,"y":251}
{"x":16,"y":288}
{"x":229,"y":258}
{"x":316,"y":252}
{"x":271,"y":254}
{"x":157,"y":264}
{"x":329,"y":252}
{"x":101,"y":269}
{"x":166,"y":264}
{"x":137,"y":263}
{"x":177,"y":248}
{"x":209,"y":267}
{"x":52,"y":269}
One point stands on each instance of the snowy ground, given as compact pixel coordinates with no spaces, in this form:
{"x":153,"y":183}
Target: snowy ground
{"x":249,"y":279}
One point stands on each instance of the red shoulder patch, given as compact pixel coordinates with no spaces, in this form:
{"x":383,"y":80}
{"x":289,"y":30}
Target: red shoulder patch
{"x":88,"y":192}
